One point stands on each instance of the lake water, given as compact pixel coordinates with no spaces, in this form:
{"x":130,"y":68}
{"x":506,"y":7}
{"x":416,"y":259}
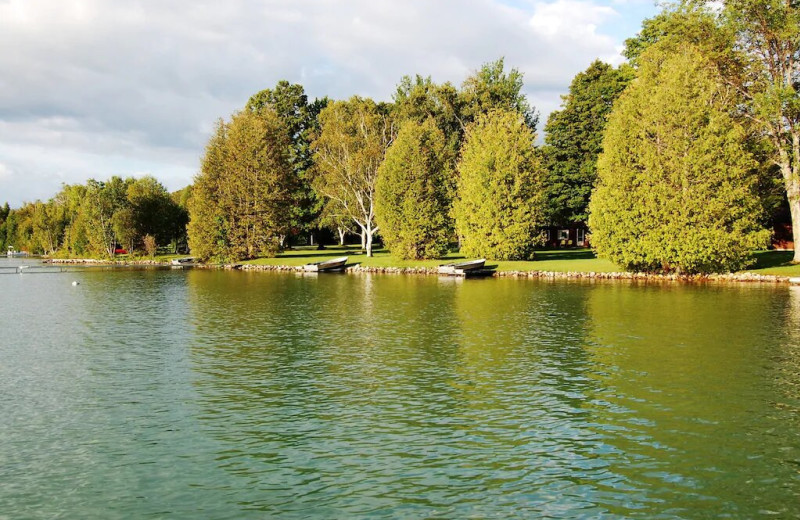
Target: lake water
{"x":212,"y":394}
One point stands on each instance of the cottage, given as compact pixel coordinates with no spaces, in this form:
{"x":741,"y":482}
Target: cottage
{"x":572,"y":235}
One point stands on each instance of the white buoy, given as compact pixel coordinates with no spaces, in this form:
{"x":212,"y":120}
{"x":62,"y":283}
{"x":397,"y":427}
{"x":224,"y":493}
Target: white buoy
{"x":75,"y":283}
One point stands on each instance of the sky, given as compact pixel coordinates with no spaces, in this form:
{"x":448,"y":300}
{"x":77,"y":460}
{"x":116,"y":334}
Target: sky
{"x":95,"y":88}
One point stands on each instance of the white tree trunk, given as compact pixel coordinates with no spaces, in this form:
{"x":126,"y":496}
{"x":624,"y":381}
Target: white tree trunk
{"x":790,"y":169}
{"x":363,"y":238}
{"x":341,"y":235}
{"x":369,"y":243}
{"x":794,"y":208}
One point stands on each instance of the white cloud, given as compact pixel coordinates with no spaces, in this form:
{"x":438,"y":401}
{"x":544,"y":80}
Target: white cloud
{"x":92,"y":88}
{"x":5,"y":172}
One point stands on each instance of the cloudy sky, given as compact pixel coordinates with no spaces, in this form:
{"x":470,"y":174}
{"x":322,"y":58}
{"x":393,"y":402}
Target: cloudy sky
{"x":94,"y":88}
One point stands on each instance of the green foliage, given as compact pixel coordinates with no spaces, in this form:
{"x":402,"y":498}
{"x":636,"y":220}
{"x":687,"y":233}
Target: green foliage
{"x":412,"y":200}
{"x":299,"y":118}
{"x":676,"y":185}
{"x":242,"y":195}
{"x":500,"y":204}
{"x":155,"y":213}
{"x":574,"y":137}
{"x":420,"y":99}
{"x":682,"y":23}
{"x":351,"y":144}
{"x":123,"y":222}
{"x":5,"y":211}
{"x":768,"y":42}
{"x":103,"y":200}
{"x":490,"y":88}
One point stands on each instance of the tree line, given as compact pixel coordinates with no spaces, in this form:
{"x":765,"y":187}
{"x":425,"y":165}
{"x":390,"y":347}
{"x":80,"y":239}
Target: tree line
{"x":98,"y":218}
{"x":677,"y":160}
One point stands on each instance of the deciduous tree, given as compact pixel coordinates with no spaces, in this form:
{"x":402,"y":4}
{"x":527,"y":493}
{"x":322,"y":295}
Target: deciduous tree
{"x":768,"y":36}
{"x":353,"y":139}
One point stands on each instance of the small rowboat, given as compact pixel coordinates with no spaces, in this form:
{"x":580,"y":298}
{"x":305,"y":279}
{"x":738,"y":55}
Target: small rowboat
{"x":334,"y":264}
{"x":462,"y":268}
{"x":182,"y":262}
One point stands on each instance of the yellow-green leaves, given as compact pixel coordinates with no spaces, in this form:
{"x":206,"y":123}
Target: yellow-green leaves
{"x":676,"y":186}
{"x":241,"y":197}
{"x":500,"y":205}
{"x":412,"y":193}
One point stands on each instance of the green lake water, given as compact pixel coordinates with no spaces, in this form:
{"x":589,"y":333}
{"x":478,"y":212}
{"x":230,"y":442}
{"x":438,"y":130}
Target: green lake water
{"x":214,"y":394}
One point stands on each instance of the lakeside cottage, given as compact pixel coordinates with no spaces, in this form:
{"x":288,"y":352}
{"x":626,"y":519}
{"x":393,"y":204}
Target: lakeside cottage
{"x":572,"y":235}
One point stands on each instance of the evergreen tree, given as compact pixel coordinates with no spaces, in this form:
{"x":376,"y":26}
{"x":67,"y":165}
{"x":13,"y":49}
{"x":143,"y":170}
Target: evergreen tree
{"x":241,"y":197}
{"x":420,"y":98}
{"x":573,"y":140}
{"x":299,"y":118}
{"x":676,"y":185}
{"x":490,"y":88}
{"x":500,"y":204}
{"x":412,"y":192}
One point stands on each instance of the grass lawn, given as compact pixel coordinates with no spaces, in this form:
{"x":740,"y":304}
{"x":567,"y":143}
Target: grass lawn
{"x":775,"y":262}
{"x":555,"y":260}
{"x":558,"y":260}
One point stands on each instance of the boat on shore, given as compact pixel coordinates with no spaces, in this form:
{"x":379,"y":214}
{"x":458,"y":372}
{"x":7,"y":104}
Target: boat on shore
{"x":182,"y":262}
{"x":13,"y":253}
{"x":470,"y":267}
{"x":334,"y":264}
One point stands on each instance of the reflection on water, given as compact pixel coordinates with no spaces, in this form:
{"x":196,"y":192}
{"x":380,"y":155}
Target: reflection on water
{"x":228,"y":395}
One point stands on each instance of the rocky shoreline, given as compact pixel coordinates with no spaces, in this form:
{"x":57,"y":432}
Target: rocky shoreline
{"x":552,"y":275}
{"x":93,"y":261}
{"x":430,"y":271}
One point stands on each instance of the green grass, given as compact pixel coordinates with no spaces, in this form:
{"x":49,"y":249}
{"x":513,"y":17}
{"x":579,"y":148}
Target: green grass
{"x":558,"y":260}
{"x":775,"y":262}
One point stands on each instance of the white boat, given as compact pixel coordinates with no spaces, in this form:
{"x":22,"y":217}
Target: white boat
{"x":12,"y":253}
{"x":334,"y":264}
{"x":462,"y":267}
{"x":182,"y":261}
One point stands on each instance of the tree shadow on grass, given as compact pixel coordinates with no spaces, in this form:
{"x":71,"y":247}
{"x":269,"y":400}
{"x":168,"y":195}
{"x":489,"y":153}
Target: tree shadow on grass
{"x":767,"y":259}
{"x":316,"y":253}
{"x":564,"y":254}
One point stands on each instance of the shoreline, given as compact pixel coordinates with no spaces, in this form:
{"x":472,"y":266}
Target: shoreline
{"x":431,"y":271}
{"x":535,"y":274}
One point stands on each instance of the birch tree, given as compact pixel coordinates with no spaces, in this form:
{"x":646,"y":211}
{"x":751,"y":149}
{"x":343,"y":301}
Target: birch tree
{"x":768,"y":35}
{"x":348,"y":151}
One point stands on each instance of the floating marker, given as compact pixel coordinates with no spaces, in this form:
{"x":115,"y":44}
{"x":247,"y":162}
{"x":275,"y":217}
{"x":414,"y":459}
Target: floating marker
{"x":75,"y":283}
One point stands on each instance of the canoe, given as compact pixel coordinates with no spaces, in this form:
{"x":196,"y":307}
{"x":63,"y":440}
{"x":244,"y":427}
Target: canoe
{"x":334,"y":264}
